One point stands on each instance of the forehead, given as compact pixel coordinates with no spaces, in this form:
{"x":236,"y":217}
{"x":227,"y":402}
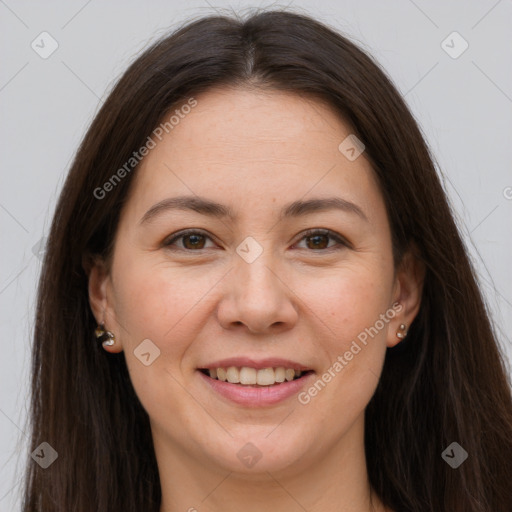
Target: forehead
{"x":245,"y":147}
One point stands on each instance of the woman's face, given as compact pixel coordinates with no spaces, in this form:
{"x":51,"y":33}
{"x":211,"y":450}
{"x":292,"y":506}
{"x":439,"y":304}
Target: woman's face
{"x":249,"y":287}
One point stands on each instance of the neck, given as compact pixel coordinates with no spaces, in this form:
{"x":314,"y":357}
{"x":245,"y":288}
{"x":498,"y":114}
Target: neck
{"x":334,"y":481}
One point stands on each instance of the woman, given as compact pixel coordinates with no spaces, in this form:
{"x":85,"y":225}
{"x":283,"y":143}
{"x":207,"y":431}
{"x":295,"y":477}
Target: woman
{"x":255,"y":296}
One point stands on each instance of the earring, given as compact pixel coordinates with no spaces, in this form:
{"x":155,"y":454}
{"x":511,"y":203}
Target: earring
{"x":402,"y":333}
{"x":107,"y":337}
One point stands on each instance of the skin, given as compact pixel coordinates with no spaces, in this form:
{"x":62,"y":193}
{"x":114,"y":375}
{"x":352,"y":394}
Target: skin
{"x":255,"y":151}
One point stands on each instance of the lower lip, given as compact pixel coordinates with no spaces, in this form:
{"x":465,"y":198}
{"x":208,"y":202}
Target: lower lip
{"x":257,"y":396}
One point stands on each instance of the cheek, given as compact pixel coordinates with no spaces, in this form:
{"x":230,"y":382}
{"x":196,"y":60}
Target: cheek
{"x":157,"y":303}
{"x":152,"y":301}
{"x":350,"y":311}
{"x":354,"y":346}
{"x":350,"y":299}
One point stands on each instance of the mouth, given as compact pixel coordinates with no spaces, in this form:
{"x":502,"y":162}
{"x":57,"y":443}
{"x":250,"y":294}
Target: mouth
{"x":249,"y":377}
{"x":252,"y":383}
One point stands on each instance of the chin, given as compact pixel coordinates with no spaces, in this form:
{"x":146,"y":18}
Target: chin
{"x":253,"y":455}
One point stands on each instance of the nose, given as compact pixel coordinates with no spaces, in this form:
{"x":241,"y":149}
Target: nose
{"x":257,"y":297}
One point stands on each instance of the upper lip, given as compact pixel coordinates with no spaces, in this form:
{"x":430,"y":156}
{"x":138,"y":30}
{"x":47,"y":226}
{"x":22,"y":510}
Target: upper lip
{"x":269,"y":362}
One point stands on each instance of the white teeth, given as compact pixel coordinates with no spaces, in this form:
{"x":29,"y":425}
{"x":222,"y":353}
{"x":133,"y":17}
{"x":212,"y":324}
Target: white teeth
{"x":265,"y":377}
{"x":251,"y":376}
{"x":247,"y":375}
{"x":233,"y":375}
{"x":289,"y":374}
{"x":280,"y":374}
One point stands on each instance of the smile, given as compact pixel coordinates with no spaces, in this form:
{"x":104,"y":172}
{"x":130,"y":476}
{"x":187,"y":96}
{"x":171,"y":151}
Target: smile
{"x":247,"y":376}
{"x":253,"y":387}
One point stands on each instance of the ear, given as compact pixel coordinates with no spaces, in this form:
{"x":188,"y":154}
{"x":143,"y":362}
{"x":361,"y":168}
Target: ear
{"x":408,"y":290}
{"x":100,"y":291}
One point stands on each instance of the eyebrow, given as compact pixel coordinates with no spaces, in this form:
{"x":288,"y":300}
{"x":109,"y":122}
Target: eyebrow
{"x":213,"y":209}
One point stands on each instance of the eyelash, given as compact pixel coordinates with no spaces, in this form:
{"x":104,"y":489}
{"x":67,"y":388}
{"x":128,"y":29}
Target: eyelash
{"x":309,"y":233}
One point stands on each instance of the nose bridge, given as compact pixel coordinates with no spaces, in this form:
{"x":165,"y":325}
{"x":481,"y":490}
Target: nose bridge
{"x":258,"y":296}
{"x":257,"y":272}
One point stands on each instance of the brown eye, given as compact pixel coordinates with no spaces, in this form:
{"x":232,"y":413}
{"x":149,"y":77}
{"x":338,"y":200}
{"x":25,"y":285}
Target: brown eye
{"x":194,"y":241}
{"x":319,"y":239}
{"x":190,"y":240}
{"x":315,"y":240}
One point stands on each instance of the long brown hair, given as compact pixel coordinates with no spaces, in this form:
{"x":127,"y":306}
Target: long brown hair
{"x":447,"y":383}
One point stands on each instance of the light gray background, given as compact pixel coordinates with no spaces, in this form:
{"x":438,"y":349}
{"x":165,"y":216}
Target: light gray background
{"x":463,"y":105}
